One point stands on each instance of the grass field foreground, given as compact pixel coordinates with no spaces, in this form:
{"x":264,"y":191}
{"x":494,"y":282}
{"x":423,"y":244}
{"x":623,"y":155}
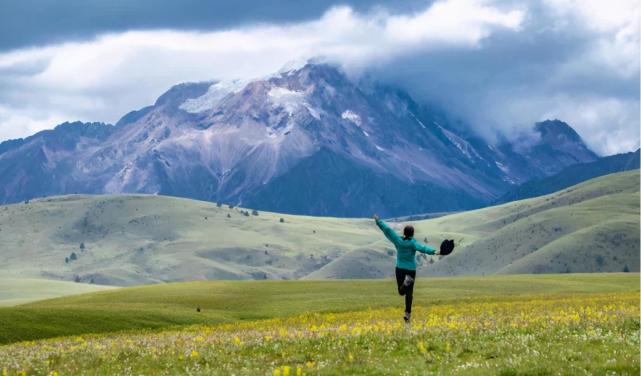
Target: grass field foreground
{"x":572,"y":335}
{"x":552,"y":324}
{"x":171,"y":305}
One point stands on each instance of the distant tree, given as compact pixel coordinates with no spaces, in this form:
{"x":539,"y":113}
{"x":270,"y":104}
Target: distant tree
{"x":425,"y":239}
{"x":313,"y":231}
{"x":599,"y":260}
{"x":26,"y":201}
{"x":219,"y":204}
{"x":282,"y":220}
{"x":626,"y":269}
{"x":73,"y":256}
{"x":92,"y":281}
{"x":76,"y":278}
{"x":431,"y":260}
{"x":205,"y":218}
{"x":228,"y":215}
{"x":82,"y":247}
{"x":66,"y":260}
{"x":246,"y":213}
{"x":254,"y":212}
{"x":230,"y":206}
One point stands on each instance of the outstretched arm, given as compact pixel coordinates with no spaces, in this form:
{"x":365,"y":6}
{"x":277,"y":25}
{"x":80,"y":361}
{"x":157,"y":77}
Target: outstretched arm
{"x":424,"y":248}
{"x":390,"y":234}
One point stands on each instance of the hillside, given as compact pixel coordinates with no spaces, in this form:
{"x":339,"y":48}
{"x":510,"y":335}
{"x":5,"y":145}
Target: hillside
{"x":24,"y":290}
{"x":590,"y":227}
{"x":138,"y":239}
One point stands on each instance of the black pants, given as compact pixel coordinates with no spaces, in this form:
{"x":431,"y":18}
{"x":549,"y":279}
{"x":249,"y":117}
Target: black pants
{"x":405,"y":290}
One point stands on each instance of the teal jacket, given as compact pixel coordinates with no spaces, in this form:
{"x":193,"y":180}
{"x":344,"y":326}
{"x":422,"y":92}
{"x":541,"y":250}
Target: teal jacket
{"x":405,"y":249}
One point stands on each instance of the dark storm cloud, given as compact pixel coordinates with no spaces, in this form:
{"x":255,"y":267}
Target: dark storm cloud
{"x":39,"y":22}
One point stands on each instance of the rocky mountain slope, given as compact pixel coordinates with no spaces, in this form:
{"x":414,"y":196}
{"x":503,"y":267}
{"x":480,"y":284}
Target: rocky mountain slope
{"x":304,"y":141}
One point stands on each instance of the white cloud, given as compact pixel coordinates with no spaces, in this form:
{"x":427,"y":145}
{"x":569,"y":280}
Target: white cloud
{"x":527,"y":81}
{"x":614,"y":25}
{"x":102,"y":79}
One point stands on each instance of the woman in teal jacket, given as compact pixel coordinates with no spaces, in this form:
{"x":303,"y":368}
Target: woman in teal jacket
{"x":406,"y":248}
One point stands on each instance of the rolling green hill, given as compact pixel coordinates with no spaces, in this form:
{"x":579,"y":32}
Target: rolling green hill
{"x":175,"y":304}
{"x":138,"y":239}
{"x":590,"y":227}
{"x":24,"y":290}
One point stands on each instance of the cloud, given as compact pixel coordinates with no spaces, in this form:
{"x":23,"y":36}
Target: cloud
{"x":112,"y":74}
{"x":575,"y":61}
{"x":498,"y":65}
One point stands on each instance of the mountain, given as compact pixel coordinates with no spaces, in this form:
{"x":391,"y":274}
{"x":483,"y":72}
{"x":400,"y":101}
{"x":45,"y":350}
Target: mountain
{"x":574,"y":174}
{"x":45,"y":163}
{"x":303,"y":141}
{"x":141,"y":239}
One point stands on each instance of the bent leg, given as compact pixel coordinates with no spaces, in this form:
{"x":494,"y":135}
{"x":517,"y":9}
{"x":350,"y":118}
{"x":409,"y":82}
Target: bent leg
{"x":409,"y":293}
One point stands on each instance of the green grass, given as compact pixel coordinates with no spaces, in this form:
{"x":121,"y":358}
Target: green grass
{"x":24,"y":290}
{"x":500,"y":325}
{"x":590,"y":227}
{"x":163,"y":306}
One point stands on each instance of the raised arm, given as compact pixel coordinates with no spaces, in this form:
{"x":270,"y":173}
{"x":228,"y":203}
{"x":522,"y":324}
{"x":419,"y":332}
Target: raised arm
{"x":424,"y":248}
{"x":390,"y":234}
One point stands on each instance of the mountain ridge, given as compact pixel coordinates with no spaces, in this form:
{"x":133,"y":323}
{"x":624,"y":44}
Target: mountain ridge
{"x":246,"y":142}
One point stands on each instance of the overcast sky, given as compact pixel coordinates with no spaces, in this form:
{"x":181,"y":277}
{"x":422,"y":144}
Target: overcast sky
{"x":498,"y":65}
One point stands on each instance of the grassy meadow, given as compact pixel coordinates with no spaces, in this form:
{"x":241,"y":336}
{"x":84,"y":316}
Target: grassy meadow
{"x":24,"y":290}
{"x":545,"y":324}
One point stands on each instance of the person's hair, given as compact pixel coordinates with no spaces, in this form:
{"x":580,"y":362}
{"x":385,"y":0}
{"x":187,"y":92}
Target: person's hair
{"x":408,"y":232}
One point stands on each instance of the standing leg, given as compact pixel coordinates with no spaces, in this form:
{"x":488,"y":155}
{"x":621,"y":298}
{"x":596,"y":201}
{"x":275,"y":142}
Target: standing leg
{"x":409,"y":293}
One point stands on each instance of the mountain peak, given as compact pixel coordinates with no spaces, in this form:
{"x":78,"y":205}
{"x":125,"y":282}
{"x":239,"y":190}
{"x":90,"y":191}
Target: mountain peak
{"x":559,"y":135}
{"x":178,"y":94}
{"x":557,"y":128}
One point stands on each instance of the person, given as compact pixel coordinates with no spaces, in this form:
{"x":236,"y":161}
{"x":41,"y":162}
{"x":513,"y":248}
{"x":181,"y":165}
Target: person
{"x":406,"y":248}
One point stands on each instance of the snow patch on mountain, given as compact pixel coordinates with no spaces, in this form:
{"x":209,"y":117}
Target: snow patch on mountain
{"x":417,"y":120}
{"x":291,"y":101}
{"x":213,"y":96}
{"x":351,"y":116}
{"x":502,"y":167}
{"x":464,"y":146}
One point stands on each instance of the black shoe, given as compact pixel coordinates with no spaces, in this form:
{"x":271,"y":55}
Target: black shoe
{"x":406,"y":317}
